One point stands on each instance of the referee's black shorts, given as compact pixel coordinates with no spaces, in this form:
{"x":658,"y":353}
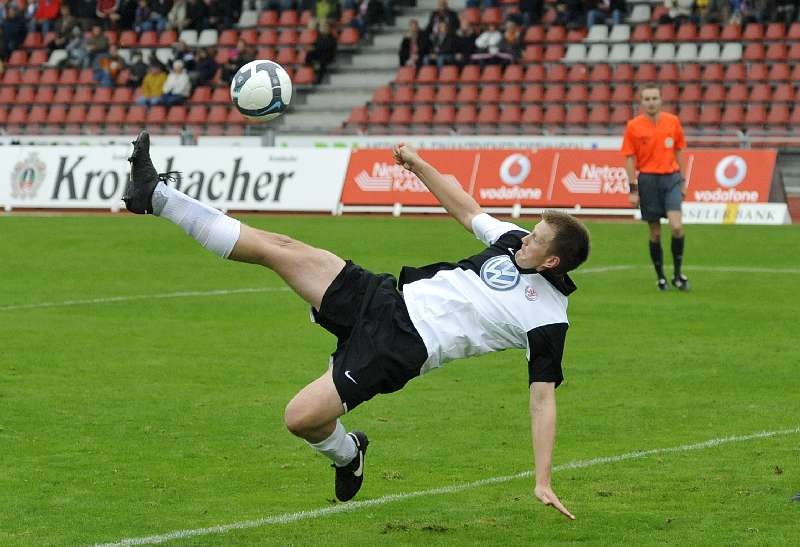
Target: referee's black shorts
{"x":378,"y":349}
{"x":659,"y":193}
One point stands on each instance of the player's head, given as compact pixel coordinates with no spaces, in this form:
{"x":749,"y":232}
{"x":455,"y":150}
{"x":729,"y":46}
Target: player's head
{"x":559,"y":243}
{"x":650,"y":97}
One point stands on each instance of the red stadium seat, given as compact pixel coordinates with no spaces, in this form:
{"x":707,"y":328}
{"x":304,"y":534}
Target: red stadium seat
{"x":446,"y":94}
{"x":135,"y":115}
{"x":177,"y":114}
{"x":711,"y":115}
{"x":491,"y":74}
{"x":348,"y":37}
{"x":288,"y":37}
{"x":687,"y":32}
{"x":427,"y":75}
{"x":554,"y":53}
{"x":511,"y":114}
{"x":379,"y":115}
{"x":793,"y":56}
{"x":64,"y":95}
{"x":448,"y":74}
{"x":793,"y":35}
{"x":217,"y":114}
{"x":775,"y":32}
{"x":714,"y":93}
{"x":642,"y":33}
{"x":779,"y":72}
{"x":670,"y":93}
{"x":554,"y":115}
{"x":513,"y":74}
{"x":423,"y":115}
{"x":445,"y":115}
{"x":466,"y":115}
{"x":778,"y":116}
{"x":622,"y":73}
{"x":753,"y":32}
{"x":645,"y":72}
{"x":600,"y":73}
{"x":733,"y":116}
{"x":489,"y":114}
{"x":784,"y":93}
{"x":405,"y":75}
{"x":689,"y":114}
{"x":735,"y":72}
{"x":30,"y":76}
{"x":691,"y":93}
{"x":58,"y":114}
{"x":304,"y":76}
{"x":535,"y":74}
{"x":424,"y":94}
{"x":49,"y":76}
{"x":403,"y":94}
{"x":600,"y":94}
{"x":491,"y":16}
{"x":575,"y":35}
{"x":157,"y":114}
{"x":8,"y":95}
{"x":668,"y":73}
{"x":167,"y":37}
{"x":44,"y":95}
{"x":76,"y":114}
{"x":196,"y":115}
{"x":737,"y":93}
{"x":577,"y":73}
{"x":286,"y":56}
{"x":731,"y":33}
{"x":489,"y":94}
{"x":533,"y":53}
{"x":554,"y":94}
{"x":96,"y":115}
{"x":307,"y":37}
{"x":599,"y":116}
{"x":761,"y":93}
{"x":776,"y":53}
{"x":122,"y":95}
{"x":756,"y":115}
{"x":713,"y":72}
{"x":288,"y":18}
{"x":128,"y":39}
{"x":532,"y":115}
{"x":84,"y":94}
{"x":229,"y":37}
{"x":306,"y":17}
{"x":623,"y":93}
{"x":268,"y":18}
{"x":25,"y":94}
{"x":12,"y":76}
{"x":33,"y":40}
{"x":37,"y":115}
{"x":557,"y":73}
{"x":201,"y":94}
{"x":709,"y":32}
{"x":555,"y":34}
{"x":115,"y":115}
{"x":467,"y":94}
{"x":577,"y":93}
{"x":17,"y":58}
{"x":690,"y":72}
{"x":620,"y":114}
{"x":470,"y":74}
{"x":511,"y":94}
{"x":664,"y":33}
{"x":102,"y":95}
{"x":38,"y":57}
{"x":86,"y":77}
{"x":148,"y":39}
{"x":401,"y":115}
{"x":471,"y":15}
{"x":535,"y":34}
{"x":18,"y":115}
{"x":533,"y":93}
{"x":577,"y":115}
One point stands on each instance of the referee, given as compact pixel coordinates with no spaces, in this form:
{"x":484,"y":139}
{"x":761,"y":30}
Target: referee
{"x":653,"y":145}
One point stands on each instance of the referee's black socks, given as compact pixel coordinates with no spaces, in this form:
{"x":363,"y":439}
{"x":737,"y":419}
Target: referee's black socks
{"x":677,"y":253}
{"x":657,"y":256}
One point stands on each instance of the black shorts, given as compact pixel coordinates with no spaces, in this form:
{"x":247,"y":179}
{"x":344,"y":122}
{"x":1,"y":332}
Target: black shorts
{"x":659,"y":194}
{"x":378,"y":350}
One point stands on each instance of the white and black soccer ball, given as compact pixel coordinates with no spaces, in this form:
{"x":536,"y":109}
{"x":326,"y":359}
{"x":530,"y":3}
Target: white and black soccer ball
{"x":261,"y":90}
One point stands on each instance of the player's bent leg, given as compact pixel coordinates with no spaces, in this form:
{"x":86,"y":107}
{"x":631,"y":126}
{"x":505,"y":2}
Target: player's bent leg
{"x":309,"y":271}
{"x":313,"y":415}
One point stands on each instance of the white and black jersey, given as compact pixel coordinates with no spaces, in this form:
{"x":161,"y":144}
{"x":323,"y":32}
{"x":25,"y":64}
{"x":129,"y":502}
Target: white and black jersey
{"x":487,"y":303}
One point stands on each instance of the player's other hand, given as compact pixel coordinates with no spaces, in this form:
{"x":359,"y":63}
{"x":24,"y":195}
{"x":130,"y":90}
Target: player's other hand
{"x":633,"y":197}
{"x":405,"y":155}
{"x":546,"y":495}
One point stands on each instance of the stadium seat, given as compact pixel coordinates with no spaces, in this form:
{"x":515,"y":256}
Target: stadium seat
{"x":288,"y":37}
{"x":403,"y":94}
{"x":754,"y":52}
{"x":18,"y":115}
{"x":44,"y":95}
{"x":207,"y":38}
{"x":664,"y":33}
{"x":513,"y":74}
{"x":738,"y":93}
{"x":622,"y":73}
{"x":600,"y":94}
{"x":599,"y":117}
{"x":229,"y":37}
{"x":691,"y":93}
{"x":532,"y":115}
{"x":620,"y":114}
{"x":735,"y":73}
{"x":775,"y":32}
{"x":427,"y":75}
{"x":600,"y":73}
{"x":447,"y":75}
{"x":535,"y":34}
{"x":642,"y":34}
{"x":554,"y":53}
{"x":665,"y":53}
{"x":576,"y":53}
{"x":776,"y":53}
{"x":554,"y":93}
{"x":577,"y":93}
{"x":733,"y":116}
{"x":467,"y":94}
{"x":756,"y":115}
{"x":670,"y":93}
{"x":731,"y":52}
{"x":129,"y":39}
{"x":668,"y":73}
{"x":115,"y":115}
{"x":785,"y":93}
{"x":731,"y":33}
{"x":690,"y":72}
{"x":401,"y":115}
{"x":577,"y":73}
{"x":689,"y":114}
{"x":466,"y":115}
{"x":642,"y":53}
{"x":533,"y":53}
{"x":64,"y":95}
{"x":488,"y":94}
{"x":491,"y":16}
{"x":620,"y":33}
{"x":348,"y":37}
{"x":446,"y":94}
{"x":620,"y":53}
{"x":793,"y":56}
{"x":49,"y":76}
{"x":217,"y":114}
{"x":424,"y":94}
{"x":598,"y":53}
{"x":37,"y":115}
{"x":201,"y":94}
{"x":758,"y":72}
{"x":379,"y":115}
{"x":488,"y":117}
{"x":86,"y":77}
{"x":709,"y":52}
{"x":708,"y":32}
{"x":511,"y":94}
{"x":793,"y":34}
{"x":577,"y":115}
{"x":76,"y":114}
{"x":778,"y":116}
{"x":623,"y":93}
{"x":30,"y":76}
{"x":17,"y":58}
{"x":445,"y":115}
{"x":38,"y":57}
{"x":753,"y":32}
{"x":12,"y":76}
{"x":33,"y":40}
{"x":268,"y":18}
{"x":557,"y":73}
{"x":645,"y":72}
{"x":122,"y":95}
{"x":491,"y":74}
{"x":288,"y":18}
{"x":196,"y":115}
{"x":422,"y":116}
{"x":535,"y":74}
{"x":760,"y":93}
{"x":471,"y":15}
{"x":25,"y":94}
{"x":286,"y":56}
{"x":177,"y":114}
{"x":597,"y":33}
{"x":554,"y":115}
{"x":687,"y":32}
{"x":714,"y":93}
{"x":84,"y":94}
{"x":405,"y":75}
{"x":249,"y":36}
{"x":533,"y":93}
{"x":8,"y":95}
{"x":358,"y":116}
{"x":711,"y":72}
{"x":509,"y":120}
{"x":710,"y":116}
{"x":58,"y":114}
{"x":779,"y":72}
{"x":640,"y":13}
{"x":96,"y":115}
{"x":470,"y":74}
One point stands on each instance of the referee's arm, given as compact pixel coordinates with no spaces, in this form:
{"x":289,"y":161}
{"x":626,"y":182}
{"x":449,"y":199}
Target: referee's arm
{"x":453,"y":198}
{"x":630,"y":169}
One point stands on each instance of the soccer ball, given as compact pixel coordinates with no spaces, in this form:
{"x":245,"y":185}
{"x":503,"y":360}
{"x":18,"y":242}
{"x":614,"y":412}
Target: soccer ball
{"x":261,"y":90}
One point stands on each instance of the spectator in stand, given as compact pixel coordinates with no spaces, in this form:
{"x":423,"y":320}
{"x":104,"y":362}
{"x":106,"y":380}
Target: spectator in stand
{"x":182,"y":52}
{"x":177,"y":87}
{"x":177,"y":18}
{"x":327,"y":11}
{"x":679,"y":12}
{"x":84,"y":10}
{"x":415,"y":45}
{"x":511,"y":45}
{"x":466,"y":35}
{"x":141,"y":18}
{"x":152,"y":85}
{"x":443,"y":46}
{"x":77,"y":54}
{"x":531,"y":11}
{"x":137,"y":69}
{"x":238,"y":56}
{"x":570,"y":13}
{"x":63,"y":29}
{"x":196,"y":14}
{"x":159,"y":9}
{"x":786,"y":11}
{"x":738,"y":9}
{"x":107,"y":67}
{"x":216,"y":15}
{"x":205,"y":67}
{"x":29,"y":13}
{"x":14,"y":28}
{"x":487,"y":46}
{"x":107,"y":12}
{"x":442,"y":14}
{"x":46,"y":14}
{"x":96,"y":43}
{"x":603,"y":10}
{"x":323,"y":53}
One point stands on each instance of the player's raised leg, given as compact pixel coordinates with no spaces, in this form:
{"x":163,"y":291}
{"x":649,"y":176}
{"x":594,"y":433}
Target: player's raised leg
{"x":306,"y":269}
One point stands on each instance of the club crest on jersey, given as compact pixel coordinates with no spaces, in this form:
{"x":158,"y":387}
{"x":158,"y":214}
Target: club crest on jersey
{"x":530,"y":294}
{"x":499,"y":273}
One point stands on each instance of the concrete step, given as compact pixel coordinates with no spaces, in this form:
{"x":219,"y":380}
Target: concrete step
{"x":298,"y":121}
{"x":374,"y":60}
{"x":357,"y":79}
{"x":335,"y":101}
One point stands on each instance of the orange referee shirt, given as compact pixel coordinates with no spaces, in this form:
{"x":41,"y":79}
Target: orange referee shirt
{"x":654,"y":144}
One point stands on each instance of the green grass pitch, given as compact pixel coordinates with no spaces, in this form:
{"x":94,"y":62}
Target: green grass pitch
{"x":125,"y":415}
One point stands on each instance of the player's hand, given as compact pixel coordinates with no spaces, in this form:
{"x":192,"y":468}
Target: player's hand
{"x":633,"y":197}
{"x":546,"y":495}
{"x":405,"y":155}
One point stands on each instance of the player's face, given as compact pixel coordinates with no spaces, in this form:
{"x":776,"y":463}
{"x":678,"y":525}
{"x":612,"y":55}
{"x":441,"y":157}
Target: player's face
{"x":651,"y":101}
{"x":535,"y":250}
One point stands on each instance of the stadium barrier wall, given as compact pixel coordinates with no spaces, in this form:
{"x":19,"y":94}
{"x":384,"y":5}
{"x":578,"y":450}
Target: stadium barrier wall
{"x":583,"y":181}
{"x":451,"y":142}
{"x":230,"y":178}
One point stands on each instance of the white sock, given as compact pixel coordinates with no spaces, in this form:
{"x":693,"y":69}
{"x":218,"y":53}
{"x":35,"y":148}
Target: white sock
{"x":210,"y":227}
{"x":339,"y":447}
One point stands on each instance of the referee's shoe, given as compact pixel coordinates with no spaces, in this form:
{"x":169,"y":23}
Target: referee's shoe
{"x":350,"y":477}
{"x":681,"y":282}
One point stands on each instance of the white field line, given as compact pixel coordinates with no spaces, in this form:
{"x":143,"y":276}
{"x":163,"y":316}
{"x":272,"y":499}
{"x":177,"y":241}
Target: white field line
{"x":225,"y":292}
{"x":357,"y":505}
{"x":115,"y":299}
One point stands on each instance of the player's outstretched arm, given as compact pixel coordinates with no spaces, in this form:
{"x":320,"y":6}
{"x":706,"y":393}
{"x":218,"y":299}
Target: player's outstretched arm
{"x":453,"y":198}
{"x":543,"y":426}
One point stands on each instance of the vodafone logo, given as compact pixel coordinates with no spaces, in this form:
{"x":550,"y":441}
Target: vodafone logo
{"x":515,"y":169}
{"x":730,"y":171}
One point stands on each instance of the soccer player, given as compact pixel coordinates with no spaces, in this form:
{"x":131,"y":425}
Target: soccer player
{"x":653,"y":143}
{"x":513,"y":294}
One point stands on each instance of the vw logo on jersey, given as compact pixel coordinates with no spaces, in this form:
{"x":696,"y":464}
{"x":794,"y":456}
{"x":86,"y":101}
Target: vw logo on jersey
{"x":499,"y":273}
